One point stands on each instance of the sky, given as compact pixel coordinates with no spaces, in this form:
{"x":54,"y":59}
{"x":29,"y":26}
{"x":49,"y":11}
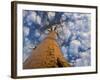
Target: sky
{"x":74,"y":34}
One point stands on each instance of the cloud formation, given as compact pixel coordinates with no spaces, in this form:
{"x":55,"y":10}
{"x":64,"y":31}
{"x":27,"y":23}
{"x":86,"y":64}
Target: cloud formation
{"x":74,"y":34}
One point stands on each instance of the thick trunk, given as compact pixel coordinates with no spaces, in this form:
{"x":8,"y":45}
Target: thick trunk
{"x":46,"y":55}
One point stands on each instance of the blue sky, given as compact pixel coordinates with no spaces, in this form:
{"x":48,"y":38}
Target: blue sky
{"x":74,"y":38}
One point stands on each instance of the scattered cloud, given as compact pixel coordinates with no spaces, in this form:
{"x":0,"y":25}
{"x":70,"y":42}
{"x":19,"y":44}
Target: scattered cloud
{"x":33,"y":16}
{"x":51,"y":15}
{"x":37,"y":33}
{"x":27,"y":48}
{"x":84,"y":60}
{"x":74,"y":46}
{"x":26,"y":31}
{"x":38,"y":20}
{"x":74,"y":34}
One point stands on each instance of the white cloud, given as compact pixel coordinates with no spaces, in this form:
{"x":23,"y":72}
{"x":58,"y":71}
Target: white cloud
{"x":83,"y":23}
{"x":75,"y":43}
{"x":85,"y":55}
{"x":27,"y":48}
{"x":86,"y":44}
{"x":64,"y":31}
{"x":68,"y":14}
{"x":38,"y":19}
{"x":25,"y":13}
{"x":79,"y":62}
{"x":26,"y":31}
{"x":85,"y":35}
{"x":46,"y":31}
{"x":76,"y":16}
{"x":51,"y":15}
{"x":78,"y":22}
{"x":43,"y":35}
{"x":33,"y":16}
{"x":59,"y":41}
{"x":59,"y":29}
{"x":73,"y":48}
{"x":84,"y":60}
{"x":63,"y":17}
{"x":85,"y":38}
{"x":71,"y":25}
{"x":80,"y":28}
{"x":37,"y":33}
{"x":64,"y":49}
{"x":67,"y":32}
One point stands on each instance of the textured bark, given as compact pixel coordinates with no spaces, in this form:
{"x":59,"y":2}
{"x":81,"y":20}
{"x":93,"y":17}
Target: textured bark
{"x":46,"y":55}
